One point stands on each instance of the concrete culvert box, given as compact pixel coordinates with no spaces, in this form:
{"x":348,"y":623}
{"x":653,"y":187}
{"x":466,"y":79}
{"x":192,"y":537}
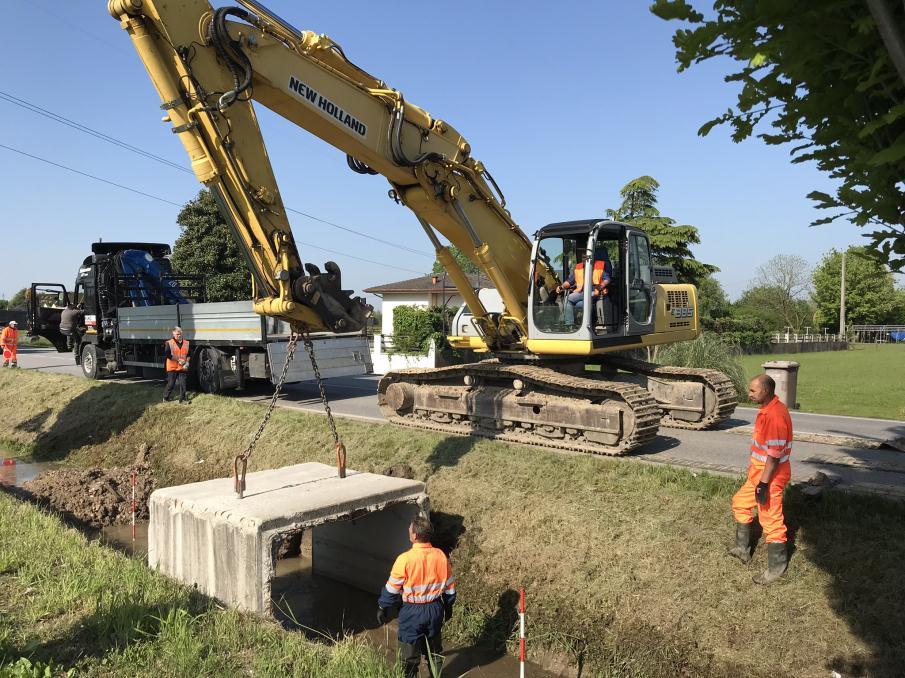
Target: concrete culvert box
{"x":205,"y":536}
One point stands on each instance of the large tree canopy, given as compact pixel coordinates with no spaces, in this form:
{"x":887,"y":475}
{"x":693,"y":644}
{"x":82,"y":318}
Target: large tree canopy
{"x":670,"y":243}
{"x":207,"y":247}
{"x":870,"y":296}
{"x":819,"y":74}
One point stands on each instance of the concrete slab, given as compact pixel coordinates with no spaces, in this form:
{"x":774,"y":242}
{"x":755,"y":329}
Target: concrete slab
{"x":205,"y":536}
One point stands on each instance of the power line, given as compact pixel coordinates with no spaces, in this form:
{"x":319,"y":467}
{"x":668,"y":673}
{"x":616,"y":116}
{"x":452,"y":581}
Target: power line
{"x":34,"y":108}
{"x":176,"y":204}
{"x":90,"y":176}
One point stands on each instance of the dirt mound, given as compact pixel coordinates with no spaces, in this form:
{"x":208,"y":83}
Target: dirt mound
{"x":400,"y":470}
{"x":96,"y":497}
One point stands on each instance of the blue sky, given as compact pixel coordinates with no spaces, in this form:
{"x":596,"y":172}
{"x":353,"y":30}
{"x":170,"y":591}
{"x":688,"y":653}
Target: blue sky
{"x":563,"y":102}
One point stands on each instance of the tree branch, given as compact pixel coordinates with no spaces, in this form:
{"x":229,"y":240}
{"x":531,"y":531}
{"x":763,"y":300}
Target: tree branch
{"x":892,"y":39}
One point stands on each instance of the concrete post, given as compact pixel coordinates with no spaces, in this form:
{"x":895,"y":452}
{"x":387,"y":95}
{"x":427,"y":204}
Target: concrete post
{"x":785,"y":374}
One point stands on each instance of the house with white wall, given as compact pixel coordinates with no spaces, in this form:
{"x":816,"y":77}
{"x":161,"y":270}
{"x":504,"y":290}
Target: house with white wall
{"x":425,"y":292}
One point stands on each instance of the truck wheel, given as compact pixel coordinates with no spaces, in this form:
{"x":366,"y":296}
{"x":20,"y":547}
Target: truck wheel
{"x":209,"y":371}
{"x":93,"y":366}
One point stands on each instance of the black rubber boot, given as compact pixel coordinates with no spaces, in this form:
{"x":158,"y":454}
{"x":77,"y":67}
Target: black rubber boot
{"x":777,"y":563}
{"x":744,"y":536}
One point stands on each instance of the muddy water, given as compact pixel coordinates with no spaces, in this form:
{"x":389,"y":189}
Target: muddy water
{"x":15,"y":472}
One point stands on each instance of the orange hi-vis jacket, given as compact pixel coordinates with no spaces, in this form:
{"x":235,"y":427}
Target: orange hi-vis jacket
{"x":422,"y":580}
{"x":596,"y":275}
{"x":9,"y":337}
{"x":772,"y":434}
{"x":422,"y":574}
{"x":178,"y":352}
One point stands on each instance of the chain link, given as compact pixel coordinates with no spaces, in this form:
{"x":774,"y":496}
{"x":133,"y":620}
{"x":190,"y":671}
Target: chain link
{"x":338,"y":446}
{"x":240,"y":463}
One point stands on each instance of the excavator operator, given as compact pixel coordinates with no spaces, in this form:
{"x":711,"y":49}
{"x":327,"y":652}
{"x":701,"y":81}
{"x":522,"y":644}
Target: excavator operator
{"x":600,"y":279}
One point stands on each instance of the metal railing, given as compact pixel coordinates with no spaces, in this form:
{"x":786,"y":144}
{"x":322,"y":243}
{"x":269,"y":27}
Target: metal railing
{"x":877,"y":334}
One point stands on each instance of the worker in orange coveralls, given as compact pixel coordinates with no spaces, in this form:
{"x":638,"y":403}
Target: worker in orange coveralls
{"x":768,"y":472}
{"x":9,"y":340}
{"x":422,"y":582}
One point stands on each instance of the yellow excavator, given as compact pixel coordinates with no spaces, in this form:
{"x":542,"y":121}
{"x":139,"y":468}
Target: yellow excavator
{"x":557,"y":374}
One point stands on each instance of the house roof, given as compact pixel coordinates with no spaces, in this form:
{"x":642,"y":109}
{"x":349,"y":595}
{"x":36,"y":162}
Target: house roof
{"x":439,"y":282}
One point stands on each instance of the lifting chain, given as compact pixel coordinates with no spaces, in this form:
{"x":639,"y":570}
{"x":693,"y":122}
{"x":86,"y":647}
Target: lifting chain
{"x":240,"y":463}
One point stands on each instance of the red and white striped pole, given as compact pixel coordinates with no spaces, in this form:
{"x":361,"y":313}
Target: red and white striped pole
{"x":521,"y":624}
{"x":133,"y":507}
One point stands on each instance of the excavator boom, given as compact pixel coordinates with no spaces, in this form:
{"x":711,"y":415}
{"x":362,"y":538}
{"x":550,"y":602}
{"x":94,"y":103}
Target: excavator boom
{"x":208,"y":65}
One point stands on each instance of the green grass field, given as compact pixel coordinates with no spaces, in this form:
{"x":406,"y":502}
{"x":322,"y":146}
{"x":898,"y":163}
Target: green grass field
{"x":624,"y":563}
{"x":864,"y":381}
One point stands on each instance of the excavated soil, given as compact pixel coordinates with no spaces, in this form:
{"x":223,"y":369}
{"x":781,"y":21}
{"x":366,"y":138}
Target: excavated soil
{"x":96,"y":497}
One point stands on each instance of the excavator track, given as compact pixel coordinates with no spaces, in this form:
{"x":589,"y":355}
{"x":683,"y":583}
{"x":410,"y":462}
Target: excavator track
{"x":522,"y":404}
{"x":720,"y":397}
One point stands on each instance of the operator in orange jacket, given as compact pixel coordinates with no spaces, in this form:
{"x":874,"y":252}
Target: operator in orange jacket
{"x":422,"y":582}
{"x":769,"y":471}
{"x":9,"y":341}
{"x":177,"y":355}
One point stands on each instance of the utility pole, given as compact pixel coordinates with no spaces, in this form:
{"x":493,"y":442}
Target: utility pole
{"x":842,"y":302}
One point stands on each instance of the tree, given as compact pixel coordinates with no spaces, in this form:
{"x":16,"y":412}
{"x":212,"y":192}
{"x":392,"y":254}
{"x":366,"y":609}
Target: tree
{"x":670,"y":244}
{"x":818,"y":73}
{"x":207,"y":247}
{"x":870,"y":295}
{"x":19,"y":301}
{"x":784,"y":282}
{"x":772,"y":307}
{"x":464,"y":262}
{"x":712,"y":300}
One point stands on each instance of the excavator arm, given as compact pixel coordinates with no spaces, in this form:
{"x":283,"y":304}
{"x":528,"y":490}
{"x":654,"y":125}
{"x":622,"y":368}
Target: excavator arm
{"x":208,"y":65}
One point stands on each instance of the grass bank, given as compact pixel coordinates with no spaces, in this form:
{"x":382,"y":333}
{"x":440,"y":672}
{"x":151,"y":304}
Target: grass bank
{"x":864,"y":381}
{"x":624,"y":563}
{"x":73,"y":605}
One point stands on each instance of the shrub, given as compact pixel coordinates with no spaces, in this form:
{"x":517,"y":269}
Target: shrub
{"x":747,"y":333}
{"x":414,"y":327}
{"x":711,"y":351}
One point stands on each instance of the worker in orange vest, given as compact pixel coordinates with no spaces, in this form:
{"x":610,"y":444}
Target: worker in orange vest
{"x":600,"y":279}
{"x":769,"y":471}
{"x":422,"y":582}
{"x":177,"y":354}
{"x":9,"y":340}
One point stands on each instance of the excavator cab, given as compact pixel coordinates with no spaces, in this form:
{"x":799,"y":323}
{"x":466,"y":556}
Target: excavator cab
{"x":592,"y":281}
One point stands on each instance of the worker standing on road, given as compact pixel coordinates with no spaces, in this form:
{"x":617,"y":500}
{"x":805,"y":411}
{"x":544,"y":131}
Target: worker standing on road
{"x":768,"y":472}
{"x":9,"y":339}
{"x":177,"y":353}
{"x":422,"y":582}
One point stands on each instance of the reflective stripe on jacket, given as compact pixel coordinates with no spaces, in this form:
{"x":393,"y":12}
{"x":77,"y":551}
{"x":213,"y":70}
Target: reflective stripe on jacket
{"x":772,"y":433}
{"x":177,"y":352}
{"x":421,"y":579}
{"x":9,"y":336}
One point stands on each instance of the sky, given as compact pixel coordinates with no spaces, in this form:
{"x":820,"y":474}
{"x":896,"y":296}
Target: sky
{"x":563,"y":102}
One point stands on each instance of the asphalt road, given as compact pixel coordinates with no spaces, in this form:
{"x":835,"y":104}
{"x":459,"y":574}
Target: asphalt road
{"x":722,"y":451}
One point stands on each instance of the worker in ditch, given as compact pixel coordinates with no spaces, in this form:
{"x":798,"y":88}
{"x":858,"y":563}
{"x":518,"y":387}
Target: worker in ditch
{"x":9,"y":340}
{"x":422,"y":582}
{"x":177,"y":354}
{"x":769,"y":470}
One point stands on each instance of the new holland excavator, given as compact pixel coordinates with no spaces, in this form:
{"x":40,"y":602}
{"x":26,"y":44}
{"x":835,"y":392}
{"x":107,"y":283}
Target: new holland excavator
{"x":557,"y":374}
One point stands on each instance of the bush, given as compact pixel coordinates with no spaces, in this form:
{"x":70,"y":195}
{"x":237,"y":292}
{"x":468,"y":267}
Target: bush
{"x":748,"y":334}
{"x":414,"y":327}
{"x":711,"y":351}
